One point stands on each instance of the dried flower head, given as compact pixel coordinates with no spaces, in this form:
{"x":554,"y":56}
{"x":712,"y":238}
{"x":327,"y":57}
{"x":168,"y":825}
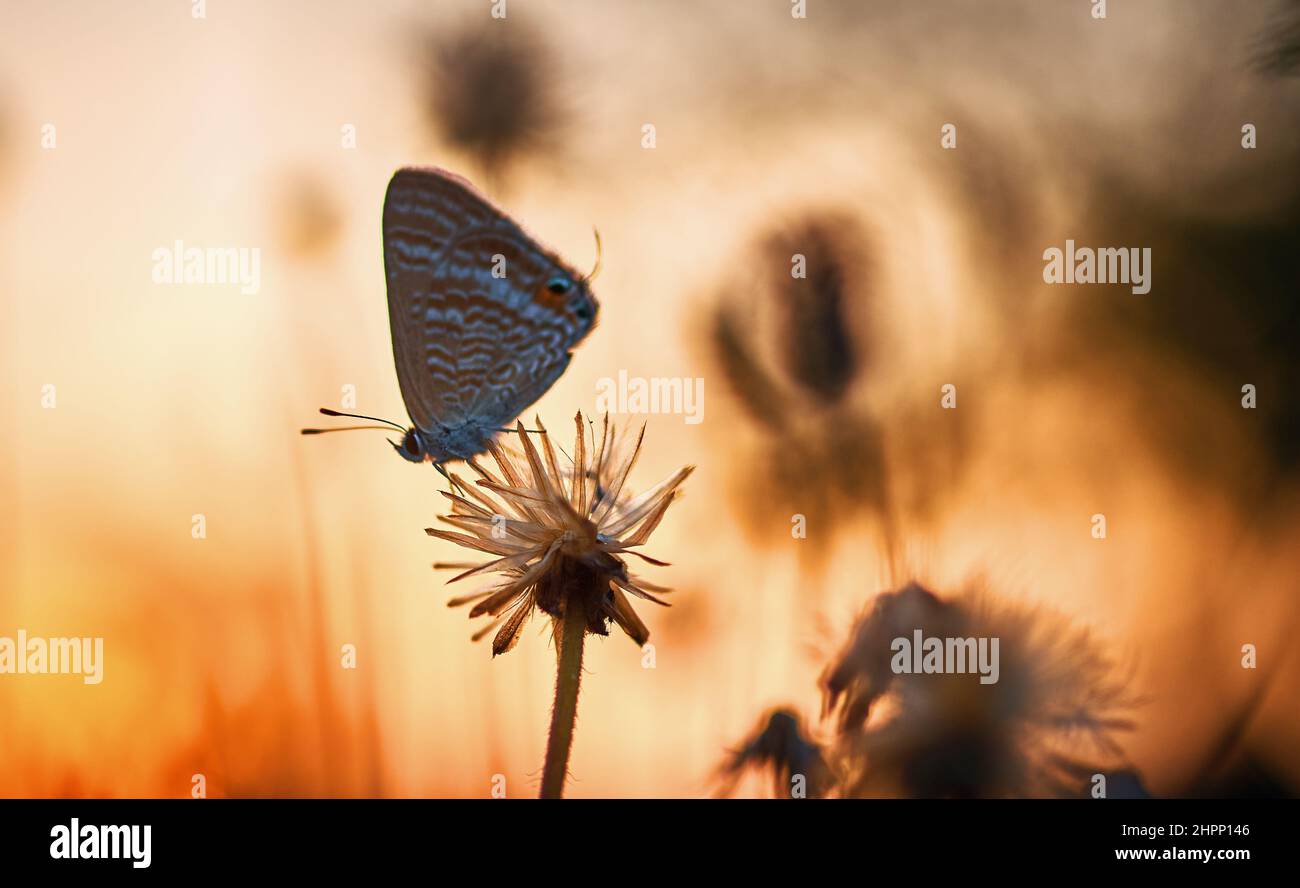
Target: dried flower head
{"x":793,"y":346}
{"x":818,"y":347}
{"x":560,"y":535}
{"x":1042,"y":728}
{"x":492,"y":92}
{"x":809,"y":278}
{"x":780,"y":745}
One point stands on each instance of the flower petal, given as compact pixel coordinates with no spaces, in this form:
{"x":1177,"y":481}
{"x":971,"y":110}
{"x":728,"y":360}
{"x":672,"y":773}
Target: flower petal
{"x":469,"y":542}
{"x":473,"y":596}
{"x":542,"y":480}
{"x":602,"y":454}
{"x":462,"y":506}
{"x":644,"y":504}
{"x":629,"y":586}
{"x":651,"y":522}
{"x":472,"y":491}
{"x":616,"y":489}
{"x":623,"y":550}
{"x":578,"y":487}
{"x":506,"y":563}
{"x":492,"y":527}
{"x":508,"y":637}
{"x":622,"y":613}
{"x":512,"y":479}
{"x":552,"y":465}
{"x":525,"y":580}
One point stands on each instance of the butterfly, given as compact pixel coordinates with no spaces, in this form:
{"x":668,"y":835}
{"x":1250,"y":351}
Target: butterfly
{"x":484,"y":319}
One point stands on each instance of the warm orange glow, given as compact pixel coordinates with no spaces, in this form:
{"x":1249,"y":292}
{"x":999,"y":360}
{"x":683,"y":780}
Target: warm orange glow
{"x":223,"y":654}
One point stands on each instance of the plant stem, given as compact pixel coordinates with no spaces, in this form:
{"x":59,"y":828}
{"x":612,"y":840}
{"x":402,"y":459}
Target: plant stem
{"x":568,"y":676}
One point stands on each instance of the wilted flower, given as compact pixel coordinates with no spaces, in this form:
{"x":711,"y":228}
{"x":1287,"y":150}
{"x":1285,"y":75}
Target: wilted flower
{"x":1043,"y":727}
{"x":818,"y":346}
{"x":492,"y":92}
{"x":779,"y":744}
{"x":560,"y":538}
{"x":558,"y":534}
{"x":787,"y":341}
{"x":812,"y":277}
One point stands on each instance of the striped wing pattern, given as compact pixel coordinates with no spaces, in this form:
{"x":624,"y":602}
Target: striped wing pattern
{"x":471,"y":348}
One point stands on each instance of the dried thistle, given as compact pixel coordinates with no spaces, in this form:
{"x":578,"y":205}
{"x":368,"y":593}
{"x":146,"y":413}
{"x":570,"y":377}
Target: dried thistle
{"x":551,"y":540}
{"x":561,"y":538}
{"x":808,"y":275}
{"x":793,"y":375}
{"x":491,"y":92}
{"x":780,"y":744}
{"x":818,"y":348}
{"x":1042,"y":728}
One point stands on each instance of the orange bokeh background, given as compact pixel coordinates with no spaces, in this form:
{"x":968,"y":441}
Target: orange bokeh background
{"x":223,"y":654}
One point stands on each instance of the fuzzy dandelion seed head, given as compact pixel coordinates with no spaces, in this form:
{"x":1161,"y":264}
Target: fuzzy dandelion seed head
{"x":561,"y":528}
{"x":1049,"y":721}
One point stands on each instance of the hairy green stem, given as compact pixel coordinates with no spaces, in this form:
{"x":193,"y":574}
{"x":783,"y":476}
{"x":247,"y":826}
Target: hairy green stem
{"x":568,"y":677}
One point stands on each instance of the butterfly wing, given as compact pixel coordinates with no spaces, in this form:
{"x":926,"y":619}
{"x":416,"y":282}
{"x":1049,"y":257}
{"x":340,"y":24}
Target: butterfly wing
{"x":478,"y":334}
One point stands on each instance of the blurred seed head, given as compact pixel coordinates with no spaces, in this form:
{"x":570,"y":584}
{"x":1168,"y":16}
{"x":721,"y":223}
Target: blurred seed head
{"x":778,"y":745}
{"x":1043,"y":729}
{"x":786,"y":338}
{"x":806,"y":278}
{"x":491,"y":91}
{"x":815,"y":343}
{"x":861,"y":674}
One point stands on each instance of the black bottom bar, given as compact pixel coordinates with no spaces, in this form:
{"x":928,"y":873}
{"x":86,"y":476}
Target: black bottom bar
{"x":304,"y":837}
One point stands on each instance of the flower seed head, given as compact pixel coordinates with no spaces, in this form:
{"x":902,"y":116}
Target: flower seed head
{"x":561,"y":534}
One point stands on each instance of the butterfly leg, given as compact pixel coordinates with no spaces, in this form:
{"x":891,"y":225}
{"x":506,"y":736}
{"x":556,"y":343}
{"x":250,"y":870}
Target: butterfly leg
{"x":442,"y":471}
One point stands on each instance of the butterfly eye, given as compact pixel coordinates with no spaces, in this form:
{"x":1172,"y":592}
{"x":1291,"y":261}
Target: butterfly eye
{"x":559,"y":285}
{"x":584,"y":312}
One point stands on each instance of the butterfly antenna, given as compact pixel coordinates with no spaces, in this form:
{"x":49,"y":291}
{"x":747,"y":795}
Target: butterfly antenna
{"x":596,"y":268}
{"x":345,"y":429}
{"x":329,"y":412}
